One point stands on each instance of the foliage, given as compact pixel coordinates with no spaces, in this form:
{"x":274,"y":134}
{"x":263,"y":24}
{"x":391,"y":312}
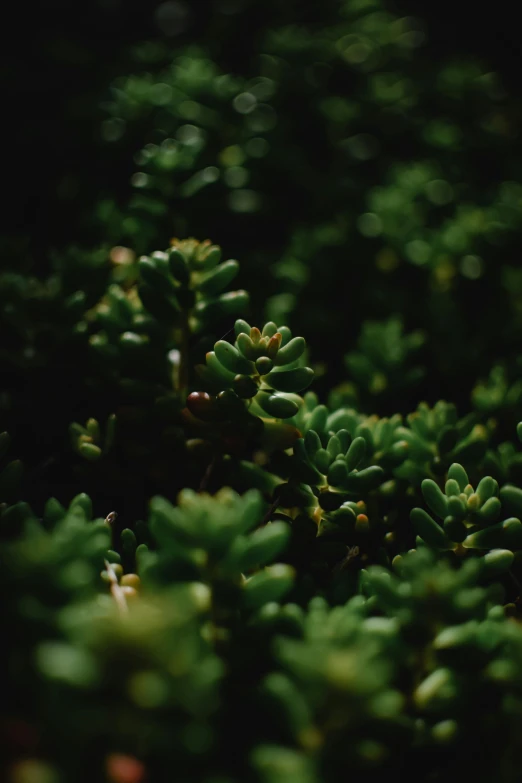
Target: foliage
{"x":292,"y":550}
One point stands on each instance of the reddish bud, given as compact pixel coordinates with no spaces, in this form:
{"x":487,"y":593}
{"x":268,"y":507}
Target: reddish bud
{"x":202,"y":405}
{"x":124,"y":769}
{"x":274,"y":344}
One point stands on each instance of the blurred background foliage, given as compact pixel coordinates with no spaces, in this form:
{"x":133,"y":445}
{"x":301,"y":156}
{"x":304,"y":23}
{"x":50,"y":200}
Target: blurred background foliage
{"x":362,"y":164}
{"x":358,"y":161}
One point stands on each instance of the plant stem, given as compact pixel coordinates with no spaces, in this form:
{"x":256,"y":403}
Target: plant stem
{"x":270,"y":511}
{"x":183,"y":377}
{"x":208,"y":472}
{"x":116,"y":591}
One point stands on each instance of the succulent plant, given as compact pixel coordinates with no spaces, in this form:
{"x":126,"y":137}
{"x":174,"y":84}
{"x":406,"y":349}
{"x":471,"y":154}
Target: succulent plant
{"x":230,"y":552}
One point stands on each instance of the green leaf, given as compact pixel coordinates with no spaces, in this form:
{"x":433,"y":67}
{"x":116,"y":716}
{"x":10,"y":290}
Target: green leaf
{"x":230,"y":358}
{"x":167,"y":525}
{"x":83,"y":503}
{"x":337,"y":473}
{"x":490,"y":510}
{"x":286,"y":335}
{"x":355,"y":453}
{"x":511,"y":498}
{"x":430,"y":532}
{"x":276,"y":764}
{"x":128,"y":542}
{"x":334,"y":447}
{"x":487,"y":488}
{"x":270,"y":584}
{"x":322,"y":460}
{"x":496,"y":563}
{"x":318,"y":419}
{"x":246,"y":346}
{"x":276,"y":406}
{"x":89,"y":451}
{"x":288,"y":699}
{"x":290,"y":380}
{"x":365,"y":432}
{"x":452,"y":488}
{"x":456,"y":507}
{"x":132,"y":343}
{"x":219,"y":278}
{"x":365,"y":480}
{"x":456,"y":636}
{"x":290,"y":352}
{"x":53,"y":512}
{"x":435,"y":498}
{"x":253,"y":475}
{"x":458,"y":473}
{"x":142,"y":557}
{"x":179,"y":266}
{"x":232,"y":302}
{"x":264,"y":544}
{"x":269,"y":329}
{"x":152,"y":274}
{"x":219,"y":370}
{"x":344,"y":516}
{"x":251,"y":512}
{"x":210,"y":257}
{"x":312,"y":443}
{"x":241,"y":327}
{"x":93,"y":429}
{"x":377,"y":581}
{"x":345,"y":439}
{"x":504,"y":535}
{"x":438,"y":688}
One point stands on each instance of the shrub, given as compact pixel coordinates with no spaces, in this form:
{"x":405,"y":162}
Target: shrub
{"x":261,"y":518}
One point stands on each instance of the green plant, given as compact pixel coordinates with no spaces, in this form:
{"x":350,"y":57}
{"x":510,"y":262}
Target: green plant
{"x":230,"y":552}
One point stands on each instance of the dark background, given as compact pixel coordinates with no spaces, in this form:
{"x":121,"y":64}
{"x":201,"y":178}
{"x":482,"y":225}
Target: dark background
{"x":58,"y":58}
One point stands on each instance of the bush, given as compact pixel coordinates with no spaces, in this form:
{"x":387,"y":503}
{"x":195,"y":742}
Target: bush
{"x":261,"y":518}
